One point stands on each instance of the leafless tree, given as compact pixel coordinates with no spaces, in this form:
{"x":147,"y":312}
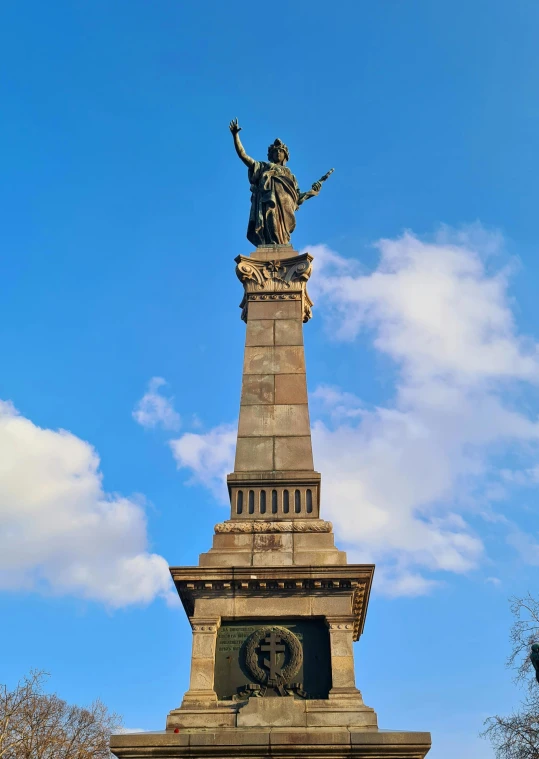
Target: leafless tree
{"x":37,"y":725}
{"x":517,"y":736}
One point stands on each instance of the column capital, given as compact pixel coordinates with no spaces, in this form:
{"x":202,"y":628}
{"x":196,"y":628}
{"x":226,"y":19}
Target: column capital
{"x":277,"y":280}
{"x":203,"y":625}
{"x":341,"y":624}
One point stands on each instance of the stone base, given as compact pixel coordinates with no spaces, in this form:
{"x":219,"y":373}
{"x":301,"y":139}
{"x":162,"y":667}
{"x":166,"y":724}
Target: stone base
{"x":260,"y":544}
{"x":259,"y":743}
{"x":344,"y":712}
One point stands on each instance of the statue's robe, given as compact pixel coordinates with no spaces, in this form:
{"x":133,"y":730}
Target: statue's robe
{"x":275,"y":197}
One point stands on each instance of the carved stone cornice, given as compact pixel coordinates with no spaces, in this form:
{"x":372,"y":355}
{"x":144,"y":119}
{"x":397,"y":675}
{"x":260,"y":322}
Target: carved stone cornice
{"x":295,"y":525}
{"x":354,"y":580}
{"x":284,"y":279}
{"x":358,"y":609}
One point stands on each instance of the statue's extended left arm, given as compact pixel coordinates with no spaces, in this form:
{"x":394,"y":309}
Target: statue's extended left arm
{"x":315,"y":189}
{"x":240,"y":150}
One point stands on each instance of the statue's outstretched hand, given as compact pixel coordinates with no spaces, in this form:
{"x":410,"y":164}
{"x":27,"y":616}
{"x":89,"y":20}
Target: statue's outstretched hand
{"x":317,"y":186}
{"x":234,"y":126}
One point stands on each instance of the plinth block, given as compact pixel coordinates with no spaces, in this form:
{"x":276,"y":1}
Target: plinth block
{"x":275,"y":742}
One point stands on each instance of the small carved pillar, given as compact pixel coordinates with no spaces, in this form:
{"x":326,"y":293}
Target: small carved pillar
{"x":202,"y":662}
{"x":341,"y":637}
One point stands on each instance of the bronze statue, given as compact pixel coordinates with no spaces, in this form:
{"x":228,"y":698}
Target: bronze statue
{"x":275,"y":195}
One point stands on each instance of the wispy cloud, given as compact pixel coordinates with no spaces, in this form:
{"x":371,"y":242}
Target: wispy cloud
{"x":400,"y":480}
{"x":412,"y":483}
{"x":60,"y":532}
{"x":155,"y":409}
{"x":209,"y":456}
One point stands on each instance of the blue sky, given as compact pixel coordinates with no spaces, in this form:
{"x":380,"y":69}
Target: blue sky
{"x":123,"y":206}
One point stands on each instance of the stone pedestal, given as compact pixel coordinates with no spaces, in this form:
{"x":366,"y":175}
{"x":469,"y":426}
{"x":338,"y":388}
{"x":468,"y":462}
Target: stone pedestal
{"x":273,"y":605}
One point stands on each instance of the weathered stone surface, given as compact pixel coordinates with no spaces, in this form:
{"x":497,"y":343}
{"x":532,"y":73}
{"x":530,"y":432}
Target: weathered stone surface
{"x":310,"y":541}
{"x":189,"y":718}
{"x":254,"y":454}
{"x":264,"y":542}
{"x":233,"y":541}
{"x":223,"y":605}
{"x":330,"y":605}
{"x":313,"y":737}
{"x":288,"y":309}
{"x":285,"y":359}
{"x":359,"y":720}
{"x":221,"y":738}
{"x":203,"y":647}
{"x":290,"y":388}
{"x":418,"y":740}
{"x":288,"y":332}
{"x":342,"y":668}
{"x":272,"y":606}
{"x":201,"y":674}
{"x":293,"y":453}
{"x":270,"y":420}
{"x":260,"y":332}
{"x":287,"y":742}
{"x":341,"y":643}
{"x":273,"y":559}
{"x":258,"y":388}
{"x":273,"y":252}
{"x":319,"y":558}
{"x":277,"y":712}
{"x":225,"y":559}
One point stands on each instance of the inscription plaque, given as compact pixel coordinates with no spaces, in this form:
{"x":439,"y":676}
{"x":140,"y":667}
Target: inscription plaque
{"x":272,"y":658}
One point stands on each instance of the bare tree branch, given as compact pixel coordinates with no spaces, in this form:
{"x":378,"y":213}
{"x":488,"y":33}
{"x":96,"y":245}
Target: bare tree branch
{"x":36,"y":725}
{"x":517,"y":736}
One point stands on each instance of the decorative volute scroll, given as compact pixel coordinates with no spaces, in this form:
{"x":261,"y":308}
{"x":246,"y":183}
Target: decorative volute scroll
{"x":284,"y":279}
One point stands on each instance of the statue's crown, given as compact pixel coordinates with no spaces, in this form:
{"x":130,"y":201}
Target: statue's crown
{"x":280,"y":146}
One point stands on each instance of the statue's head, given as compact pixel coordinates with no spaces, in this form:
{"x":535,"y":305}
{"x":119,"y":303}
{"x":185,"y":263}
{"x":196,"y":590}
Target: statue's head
{"x":278,"y":152}
{"x":535,"y":648}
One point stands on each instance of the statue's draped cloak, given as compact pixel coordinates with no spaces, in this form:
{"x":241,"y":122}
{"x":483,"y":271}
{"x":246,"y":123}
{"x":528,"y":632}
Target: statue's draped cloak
{"x":274,"y":201}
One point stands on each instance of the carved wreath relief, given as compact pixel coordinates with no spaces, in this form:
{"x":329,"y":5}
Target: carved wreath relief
{"x":274,"y":656}
{"x":269,"y":659}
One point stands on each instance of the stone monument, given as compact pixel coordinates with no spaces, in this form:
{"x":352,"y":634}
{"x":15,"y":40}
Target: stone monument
{"x":273,"y":605}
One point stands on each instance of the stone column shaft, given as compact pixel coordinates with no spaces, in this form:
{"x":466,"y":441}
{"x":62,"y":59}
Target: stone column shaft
{"x":274,"y":476}
{"x":341,"y":638}
{"x":202,"y":662}
{"x":274,"y":432}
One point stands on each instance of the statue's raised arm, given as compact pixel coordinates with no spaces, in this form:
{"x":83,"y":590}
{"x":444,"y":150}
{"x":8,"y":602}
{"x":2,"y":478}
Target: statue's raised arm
{"x":240,"y":150}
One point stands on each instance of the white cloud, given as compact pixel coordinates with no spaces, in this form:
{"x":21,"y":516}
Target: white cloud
{"x":59,"y":531}
{"x":435,"y":309}
{"x":155,"y":409}
{"x":209,"y":456}
{"x":400,"y":479}
{"x":412,"y":483}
